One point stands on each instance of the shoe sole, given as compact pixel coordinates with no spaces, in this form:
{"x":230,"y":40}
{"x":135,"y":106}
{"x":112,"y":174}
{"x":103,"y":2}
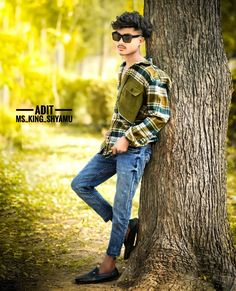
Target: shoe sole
{"x":98,"y":280}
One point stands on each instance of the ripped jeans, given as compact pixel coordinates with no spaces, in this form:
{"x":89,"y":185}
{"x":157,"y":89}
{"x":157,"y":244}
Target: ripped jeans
{"x":129,"y":167}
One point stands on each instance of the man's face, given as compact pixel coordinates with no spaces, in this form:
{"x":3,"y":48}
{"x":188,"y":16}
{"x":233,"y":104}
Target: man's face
{"x":124,"y":48}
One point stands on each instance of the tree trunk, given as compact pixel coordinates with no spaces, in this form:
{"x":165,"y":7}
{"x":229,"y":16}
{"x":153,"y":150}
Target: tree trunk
{"x":184,"y":238}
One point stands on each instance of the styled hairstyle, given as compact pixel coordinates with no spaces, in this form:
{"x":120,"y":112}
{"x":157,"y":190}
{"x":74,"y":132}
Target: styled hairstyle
{"x":135,"y":20}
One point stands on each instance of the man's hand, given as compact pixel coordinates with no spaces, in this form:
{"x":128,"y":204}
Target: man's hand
{"x":121,"y":146}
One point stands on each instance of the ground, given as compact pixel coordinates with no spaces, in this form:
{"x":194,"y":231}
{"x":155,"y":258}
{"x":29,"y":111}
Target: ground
{"x":47,"y":234}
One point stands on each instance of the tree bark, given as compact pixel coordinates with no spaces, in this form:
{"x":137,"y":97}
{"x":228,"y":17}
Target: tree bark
{"x":184,"y":237}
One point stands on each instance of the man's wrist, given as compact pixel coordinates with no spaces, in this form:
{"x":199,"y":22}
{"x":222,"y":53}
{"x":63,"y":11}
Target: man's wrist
{"x":126,"y":138}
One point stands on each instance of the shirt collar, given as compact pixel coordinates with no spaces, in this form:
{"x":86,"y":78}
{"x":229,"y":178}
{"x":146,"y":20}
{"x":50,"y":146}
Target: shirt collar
{"x":147,"y":61}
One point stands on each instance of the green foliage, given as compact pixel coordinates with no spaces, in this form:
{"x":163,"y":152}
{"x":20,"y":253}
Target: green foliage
{"x":231,"y":159}
{"x":10,"y":59}
{"x":37,"y":88}
{"x":101,"y":102}
{"x":10,"y":130}
{"x":231,"y":186}
{"x":232,"y":116}
{"x":228,"y":20}
{"x":92,"y":101}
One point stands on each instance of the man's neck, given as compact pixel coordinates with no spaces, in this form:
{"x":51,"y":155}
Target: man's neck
{"x":133,"y":58}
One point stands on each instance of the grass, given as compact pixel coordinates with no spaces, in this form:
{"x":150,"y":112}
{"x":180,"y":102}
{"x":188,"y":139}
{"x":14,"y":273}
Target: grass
{"x":43,"y":224}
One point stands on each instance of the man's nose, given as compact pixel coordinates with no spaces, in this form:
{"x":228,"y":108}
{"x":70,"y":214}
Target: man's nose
{"x":121,"y":41}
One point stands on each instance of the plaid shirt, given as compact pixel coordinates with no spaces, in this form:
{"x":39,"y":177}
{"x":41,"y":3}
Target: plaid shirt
{"x":153,"y":114}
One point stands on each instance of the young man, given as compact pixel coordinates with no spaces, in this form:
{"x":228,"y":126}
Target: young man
{"x":141,"y":110}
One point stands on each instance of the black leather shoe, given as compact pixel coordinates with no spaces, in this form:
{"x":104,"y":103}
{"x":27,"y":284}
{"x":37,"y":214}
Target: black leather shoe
{"x":129,"y":242}
{"x":95,"y":277}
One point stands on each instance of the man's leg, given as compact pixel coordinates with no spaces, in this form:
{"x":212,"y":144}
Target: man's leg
{"x":130,"y":168}
{"x":98,"y":170}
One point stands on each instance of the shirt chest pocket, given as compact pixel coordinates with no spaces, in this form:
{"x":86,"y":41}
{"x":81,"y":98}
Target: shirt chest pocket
{"x":130,"y":100}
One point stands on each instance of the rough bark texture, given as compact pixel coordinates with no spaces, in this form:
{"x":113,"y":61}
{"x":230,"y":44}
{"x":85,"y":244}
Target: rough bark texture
{"x":184,"y":240}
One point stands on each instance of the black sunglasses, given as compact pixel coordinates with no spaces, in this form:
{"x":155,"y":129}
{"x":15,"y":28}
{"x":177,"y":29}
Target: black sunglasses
{"x":116,"y":36}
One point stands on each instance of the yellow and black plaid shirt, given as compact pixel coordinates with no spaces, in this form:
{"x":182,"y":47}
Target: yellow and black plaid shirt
{"x":153,"y":114}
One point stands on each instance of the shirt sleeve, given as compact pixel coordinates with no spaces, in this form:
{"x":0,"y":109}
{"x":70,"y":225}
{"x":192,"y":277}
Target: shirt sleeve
{"x":158,"y":113}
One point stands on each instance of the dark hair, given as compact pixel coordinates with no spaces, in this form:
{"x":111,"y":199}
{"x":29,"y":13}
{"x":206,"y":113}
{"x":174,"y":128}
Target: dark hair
{"x":135,"y":20}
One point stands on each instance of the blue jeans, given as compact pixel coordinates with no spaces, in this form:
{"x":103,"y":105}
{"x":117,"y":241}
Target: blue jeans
{"x":129,"y":167}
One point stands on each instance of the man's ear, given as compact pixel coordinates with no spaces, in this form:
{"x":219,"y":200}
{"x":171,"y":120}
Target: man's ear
{"x":142,"y":40}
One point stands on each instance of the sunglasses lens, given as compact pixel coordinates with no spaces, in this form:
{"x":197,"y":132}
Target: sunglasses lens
{"x":116,"y":36}
{"x":127,"y":38}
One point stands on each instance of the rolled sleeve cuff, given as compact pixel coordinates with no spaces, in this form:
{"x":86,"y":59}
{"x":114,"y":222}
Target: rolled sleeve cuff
{"x":132,"y":139}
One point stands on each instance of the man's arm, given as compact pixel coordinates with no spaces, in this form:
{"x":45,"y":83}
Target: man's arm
{"x":158,"y":110}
